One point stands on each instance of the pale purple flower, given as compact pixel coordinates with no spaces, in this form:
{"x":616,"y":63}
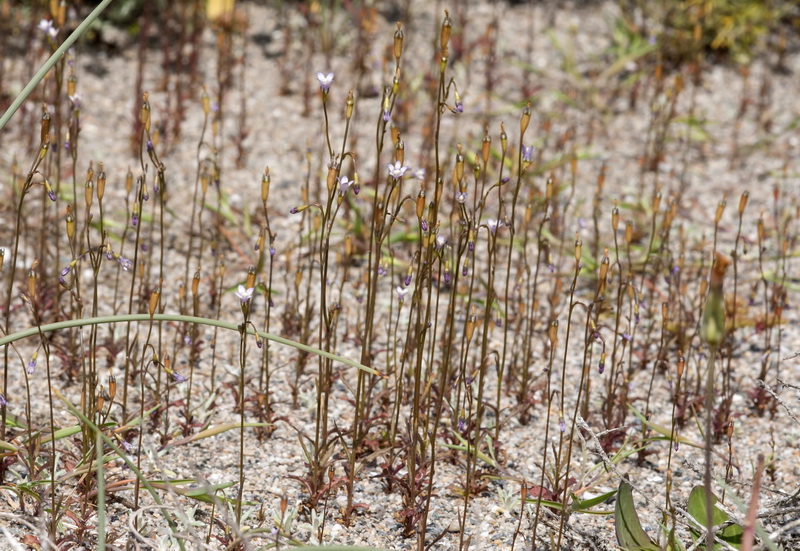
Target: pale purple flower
{"x":46,"y":26}
{"x":461,"y":197}
{"x":76,"y":101}
{"x":382,"y":271}
{"x":344,"y":183}
{"x":31,"y":366}
{"x":187,"y":340}
{"x":125,"y":264}
{"x":419,"y":174}
{"x":386,"y":115}
{"x":325,"y":81}
{"x":127,"y":446}
{"x":397,"y":170}
{"x":562,"y":425}
{"x":178,"y":377}
{"x":65,"y":270}
{"x":271,"y":250}
{"x":627,"y":336}
{"x":3,"y":401}
{"x":441,"y":241}
{"x":493,"y":224}
{"x":459,"y":106}
{"x":244,"y":294}
{"x":527,"y":153}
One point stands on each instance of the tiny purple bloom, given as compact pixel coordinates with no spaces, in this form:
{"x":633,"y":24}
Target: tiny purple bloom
{"x":459,"y":107}
{"x":294,"y":210}
{"x":52,"y":195}
{"x":46,"y":26}
{"x":386,"y":116}
{"x":31,"y":366}
{"x":65,"y":270}
{"x":627,"y":337}
{"x":447,"y":277}
{"x":492,"y":225}
{"x":135,"y":220}
{"x":527,"y":153}
{"x":127,"y":446}
{"x":3,"y":401}
{"x":424,"y":225}
{"x":125,"y":264}
{"x":187,"y":340}
{"x":271,"y":251}
{"x":178,"y":377}
{"x":407,"y":280}
{"x":382,"y":271}
{"x":562,"y":425}
{"x":601,"y":367}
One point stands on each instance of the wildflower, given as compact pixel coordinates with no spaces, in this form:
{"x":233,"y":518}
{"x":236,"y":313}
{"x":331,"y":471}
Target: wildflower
{"x":244,"y":294}
{"x":127,"y":446}
{"x":46,"y":26}
{"x":271,"y":250}
{"x":76,"y":101}
{"x":344,"y":183}
{"x":187,"y":340}
{"x":386,"y":115}
{"x":627,"y":337}
{"x":178,"y":377}
{"x":562,"y":425}
{"x":493,"y":224}
{"x":424,"y":225}
{"x":382,"y":271}
{"x":3,"y":401}
{"x":65,"y":270}
{"x":325,"y":81}
{"x":401,"y":292}
{"x":441,"y":241}
{"x":124,"y":263}
{"x":461,"y":197}
{"x":527,"y":153}
{"x":419,"y":174}
{"x":397,"y":170}
{"x":50,"y":193}
{"x":32,"y":364}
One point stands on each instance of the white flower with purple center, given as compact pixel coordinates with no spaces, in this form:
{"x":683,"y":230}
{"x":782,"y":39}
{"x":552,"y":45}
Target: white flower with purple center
{"x":461,"y":197}
{"x":125,"y":264}
{"x":493,"y":224}
{"x":344,"y":183}
{"x":397,"y":170}
{"x":441,"y":241}
{"x":325,"y":81}
{"x":244,"y":294}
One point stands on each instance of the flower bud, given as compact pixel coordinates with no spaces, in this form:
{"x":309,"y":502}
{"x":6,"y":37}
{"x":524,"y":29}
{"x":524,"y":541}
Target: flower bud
{"x":348,"y":111}
{"x":101,"y":183}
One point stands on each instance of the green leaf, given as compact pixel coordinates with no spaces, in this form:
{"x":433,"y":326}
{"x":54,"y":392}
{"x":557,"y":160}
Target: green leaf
{"x":630,"y":534}
{"x":206,"y":494}
{"x":731,"y":534}
{"x":580,"y":505}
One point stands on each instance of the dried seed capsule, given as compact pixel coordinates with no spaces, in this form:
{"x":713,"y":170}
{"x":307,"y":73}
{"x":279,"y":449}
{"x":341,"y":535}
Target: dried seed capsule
{"x":526,"y":119}
{"x":447,"y":27}
{"x":398,"y":43}
{"x":743,"y":202}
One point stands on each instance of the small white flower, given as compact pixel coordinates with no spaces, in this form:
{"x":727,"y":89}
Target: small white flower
{"x":244,"y":294}
{"x":493,"y":225}
{"x":396,"y":170}
{"x":419,"y":174}
{"x":76,"y":101}
{"x":46,"y":26}
{"x":401,"y":292}
{"x":440,"y":241}
{"x":461,"y":197}
{"x":325,"y":81}
{"x":344,"y":183}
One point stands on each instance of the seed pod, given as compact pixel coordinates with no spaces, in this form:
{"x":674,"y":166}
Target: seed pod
{"x":628,"y":231}
{"x":420,"y":202}
{"x":548,"y":194}
{"x":526,"y":119}
{"x":128,"y":182}
{"x":145,"y":112}
{"x":265,"y":186}
{"x":743,"y":202}
{"x":400,"y":152}
{"x":72,"y":82}
{"x":447,"y":27}
{"x":195,"y":283}
{"x":206,"y":102}
{"x":44,"y":131}
{"x":503,"y":137}
{"x":2,"y":256}
{"x":154,"y":298}
{"x":552,"y":333}
{"x":578,"y":245}
{"x":112,"y":387}
{"x":348,"y":111}
{"x":398,"y":43}
{"x":615,"y":217}
{"x":32,"y":284}
{"x":486,"y":146}
{"x":656,"y":202}
{"x":459,"y":164}
{"x":720,"y":209}
{"x":251,"y":277}
{"x":88,"y":193}
{"x":681,"y":364}
{"x":101,"y":183}
{"x":70,"y":220}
